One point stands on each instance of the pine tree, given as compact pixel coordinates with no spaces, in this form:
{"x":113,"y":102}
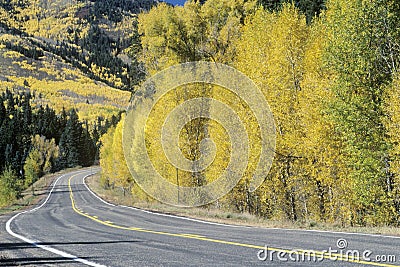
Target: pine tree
{"x":70,"y":142}
{"x":310,"y":8}
{"x":87,"y":149}
{"x":3,"y":140}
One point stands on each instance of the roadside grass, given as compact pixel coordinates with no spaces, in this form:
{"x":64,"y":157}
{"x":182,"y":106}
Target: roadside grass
{"x":32,"y":197}
{"x":116,"y":196}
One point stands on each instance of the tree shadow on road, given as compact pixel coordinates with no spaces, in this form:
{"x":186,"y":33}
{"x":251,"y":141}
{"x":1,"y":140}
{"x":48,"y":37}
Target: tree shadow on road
{"x":35,"y":261}
{"x":22,"y":245}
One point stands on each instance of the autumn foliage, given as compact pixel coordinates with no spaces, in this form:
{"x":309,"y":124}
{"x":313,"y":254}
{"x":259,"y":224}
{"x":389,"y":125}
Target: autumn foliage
{"x":333,"y":85}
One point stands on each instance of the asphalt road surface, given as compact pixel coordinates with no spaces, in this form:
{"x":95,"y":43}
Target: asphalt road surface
{"x":73,"y":227}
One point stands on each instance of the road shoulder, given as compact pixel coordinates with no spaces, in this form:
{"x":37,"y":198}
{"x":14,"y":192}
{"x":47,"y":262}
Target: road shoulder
{"x":116,"y":196}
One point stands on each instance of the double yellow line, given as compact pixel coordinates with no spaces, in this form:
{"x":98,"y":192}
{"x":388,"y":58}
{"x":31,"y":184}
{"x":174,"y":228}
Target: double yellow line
{"x":299,"y":252}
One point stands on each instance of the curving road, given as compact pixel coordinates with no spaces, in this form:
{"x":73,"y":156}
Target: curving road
{"x":73,"y":227}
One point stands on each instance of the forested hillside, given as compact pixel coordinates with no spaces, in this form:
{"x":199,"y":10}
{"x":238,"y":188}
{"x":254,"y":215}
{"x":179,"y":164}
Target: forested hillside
{"x":329,"y":71}
{"x":35,"y":140}
{"x":67,"y":72}
{"x":97,"y":37}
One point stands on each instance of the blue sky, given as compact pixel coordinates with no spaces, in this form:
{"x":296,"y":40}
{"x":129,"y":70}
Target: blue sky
{"x":176,"y":2}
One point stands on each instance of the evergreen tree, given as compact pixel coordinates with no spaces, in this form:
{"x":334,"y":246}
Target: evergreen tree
{"x":87,"y":150}
{"x":70,"y":142}
{"x":3,"y":134}
{"x":310,"y":8}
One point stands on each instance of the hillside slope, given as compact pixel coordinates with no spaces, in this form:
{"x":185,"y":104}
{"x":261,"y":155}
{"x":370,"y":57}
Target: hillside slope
{"x":72,"y":53}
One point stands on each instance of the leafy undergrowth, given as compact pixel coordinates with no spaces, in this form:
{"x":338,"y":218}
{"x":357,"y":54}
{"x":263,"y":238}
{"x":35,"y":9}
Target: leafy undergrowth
{"x":32,"y":197}
{"x":116,"y":196}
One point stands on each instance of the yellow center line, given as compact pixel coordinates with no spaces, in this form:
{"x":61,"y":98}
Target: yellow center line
{"x":193,"y":235}
{"x":300,"y":252}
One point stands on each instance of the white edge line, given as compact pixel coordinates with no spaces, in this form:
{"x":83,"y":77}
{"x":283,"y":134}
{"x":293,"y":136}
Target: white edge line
{"x":94,"y":194}
{"x":235,"y":226}
{"x":155,"y":213}
{"x":35,"y":243}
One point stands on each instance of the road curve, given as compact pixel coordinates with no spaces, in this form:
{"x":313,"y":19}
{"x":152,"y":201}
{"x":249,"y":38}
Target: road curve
{"x":73,"y":227}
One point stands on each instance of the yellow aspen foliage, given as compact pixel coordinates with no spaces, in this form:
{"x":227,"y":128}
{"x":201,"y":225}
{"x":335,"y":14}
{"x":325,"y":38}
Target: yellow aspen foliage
{"x":122,"y":177}
{"x":106,"y":158}
{"x":324,"y":166}
{"x":48,"y":150}
{"x":114,"y":170}
{"x":278,"y":44}
{"x":32,"y":167}
{"x":392,"y":123}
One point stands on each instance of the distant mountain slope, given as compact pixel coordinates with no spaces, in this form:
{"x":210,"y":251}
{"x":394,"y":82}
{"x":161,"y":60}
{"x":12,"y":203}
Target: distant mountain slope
{"x":58,"y":83}
{"x":74,"y":53}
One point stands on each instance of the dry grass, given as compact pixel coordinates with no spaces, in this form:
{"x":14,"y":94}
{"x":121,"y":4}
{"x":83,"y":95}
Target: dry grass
{"x":215,"y":215}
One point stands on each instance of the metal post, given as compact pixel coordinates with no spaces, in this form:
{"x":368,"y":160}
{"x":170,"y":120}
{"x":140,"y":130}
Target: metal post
{"x":177,"y":182}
